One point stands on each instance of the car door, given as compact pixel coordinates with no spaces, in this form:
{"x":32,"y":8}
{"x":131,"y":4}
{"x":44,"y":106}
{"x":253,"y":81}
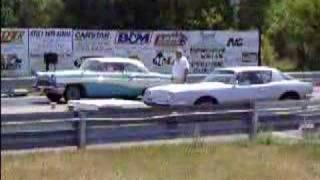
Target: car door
{"x":138,"y":78}
{"x":253,"y":86}
{"x":112,"y":80}
{"x":107,"y":79}
{"x":265,"y":88}
{"x":90,"y":74}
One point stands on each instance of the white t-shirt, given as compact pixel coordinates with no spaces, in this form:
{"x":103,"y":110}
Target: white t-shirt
{"x":179,"y":67}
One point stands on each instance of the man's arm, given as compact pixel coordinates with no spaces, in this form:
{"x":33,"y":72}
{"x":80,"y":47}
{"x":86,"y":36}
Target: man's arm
{"x":186,"y":70}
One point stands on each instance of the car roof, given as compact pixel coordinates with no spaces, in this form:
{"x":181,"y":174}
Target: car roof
{"x":247,"y":68}
{"x":116,"y":60}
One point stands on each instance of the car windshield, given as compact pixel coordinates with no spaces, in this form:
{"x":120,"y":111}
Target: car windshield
{"x":138,"y":68}
{"x":226,"y":77}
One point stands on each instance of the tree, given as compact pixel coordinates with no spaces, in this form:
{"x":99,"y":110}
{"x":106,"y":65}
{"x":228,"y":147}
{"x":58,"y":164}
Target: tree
{"x":8,"y":17}
{"x":252,"y":13}
{"x":298,"y":22}
{"x":211,"y":14}
{"x":39,"y":13}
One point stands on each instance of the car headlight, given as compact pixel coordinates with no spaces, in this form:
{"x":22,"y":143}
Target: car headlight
{"x":53,"y":79}
{"x":147,"y":96}
{"x":147,"y":93}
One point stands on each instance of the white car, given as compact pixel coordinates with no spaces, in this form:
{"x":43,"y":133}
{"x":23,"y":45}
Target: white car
{"x":230,"y":86}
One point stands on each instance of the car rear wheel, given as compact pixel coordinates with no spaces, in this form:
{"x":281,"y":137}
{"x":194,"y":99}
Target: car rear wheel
{"x":54,"y":97}
{"x":206,"y":101}
{"x":72,"y":93}
{"x":289,"y":96}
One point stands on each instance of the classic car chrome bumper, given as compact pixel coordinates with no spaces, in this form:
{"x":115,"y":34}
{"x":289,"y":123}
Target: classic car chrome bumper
{"x":155,"y":104}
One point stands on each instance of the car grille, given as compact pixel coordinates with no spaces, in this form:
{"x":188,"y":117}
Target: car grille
{"x":160,"y":97}
{"x":43,"y":83}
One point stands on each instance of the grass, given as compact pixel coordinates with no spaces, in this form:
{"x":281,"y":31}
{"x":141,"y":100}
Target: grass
{"x":262,"y":160}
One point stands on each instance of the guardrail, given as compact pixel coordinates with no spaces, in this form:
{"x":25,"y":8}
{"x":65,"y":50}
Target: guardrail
{"x":109,"y":126}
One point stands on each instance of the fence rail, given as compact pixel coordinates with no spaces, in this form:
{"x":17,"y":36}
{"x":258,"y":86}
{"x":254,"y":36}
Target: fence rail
{"x":107,"y":126}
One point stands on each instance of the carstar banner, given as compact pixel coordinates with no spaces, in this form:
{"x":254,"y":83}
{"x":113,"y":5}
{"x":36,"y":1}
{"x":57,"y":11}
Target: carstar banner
{"x":50,"y":41}
{"x":14,"y":52}
{"x":90,"y":43}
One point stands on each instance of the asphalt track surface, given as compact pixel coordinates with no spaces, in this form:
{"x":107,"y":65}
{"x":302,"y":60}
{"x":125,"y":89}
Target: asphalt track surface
{"x":34,"y":103}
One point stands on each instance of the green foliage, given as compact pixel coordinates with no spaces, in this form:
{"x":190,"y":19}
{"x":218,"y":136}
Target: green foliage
{"x":31,"y":13}
{"x":214,"y":14}
{"x":268,"y":53}
{"x":252,"y":13}
{"x":39,"y":13}
{"x":8,"y":18}
{"x":118,"y":14}
{"x":297,"y":22}
{"x":209,"y":18}
{"x":271,"y":58}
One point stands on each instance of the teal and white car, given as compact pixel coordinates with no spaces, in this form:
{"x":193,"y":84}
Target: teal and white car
{"x":100,"y":77}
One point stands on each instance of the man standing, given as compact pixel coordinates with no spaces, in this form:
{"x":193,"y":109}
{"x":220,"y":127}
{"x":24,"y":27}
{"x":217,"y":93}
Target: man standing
{"x":180,"y":67}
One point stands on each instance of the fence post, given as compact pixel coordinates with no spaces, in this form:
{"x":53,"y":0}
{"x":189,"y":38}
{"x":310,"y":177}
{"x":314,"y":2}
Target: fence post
{"x":172,"y":125}
{"x":82,"y":137}
{"x":254,"y":122}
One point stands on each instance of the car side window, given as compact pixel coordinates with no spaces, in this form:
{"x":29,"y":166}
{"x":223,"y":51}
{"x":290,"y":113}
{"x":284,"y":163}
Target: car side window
{"x":113,"y":67}
{"x":132,"y":68}
{"x":254,"y":77}
{"x":266,"y":76}
{"x":94,"y":66}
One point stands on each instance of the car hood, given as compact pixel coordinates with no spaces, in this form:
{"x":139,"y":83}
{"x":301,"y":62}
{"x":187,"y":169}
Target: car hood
{"x":75,"y":72}
{"x":175,"y":88}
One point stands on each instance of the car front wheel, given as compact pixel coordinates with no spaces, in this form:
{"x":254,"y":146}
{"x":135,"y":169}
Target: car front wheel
{"x":72,"y":93}
{"x":54,"y":97}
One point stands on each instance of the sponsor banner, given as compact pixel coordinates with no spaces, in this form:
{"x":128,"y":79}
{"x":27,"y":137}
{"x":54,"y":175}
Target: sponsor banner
{"x":134,"y":44}
{"x":14,"y":52}
{"x":91,"y":43}
{"x":212,"y":49}
{"x":205,"y":50}
{"x":170,"y":39}
{"x":165,"y":44}
{"x":54,"y":41}
{"x":133,"y":38}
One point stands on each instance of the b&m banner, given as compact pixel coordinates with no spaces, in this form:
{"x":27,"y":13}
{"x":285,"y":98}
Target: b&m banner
{"x":205,"y":50}
{"x":14,"y":52}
